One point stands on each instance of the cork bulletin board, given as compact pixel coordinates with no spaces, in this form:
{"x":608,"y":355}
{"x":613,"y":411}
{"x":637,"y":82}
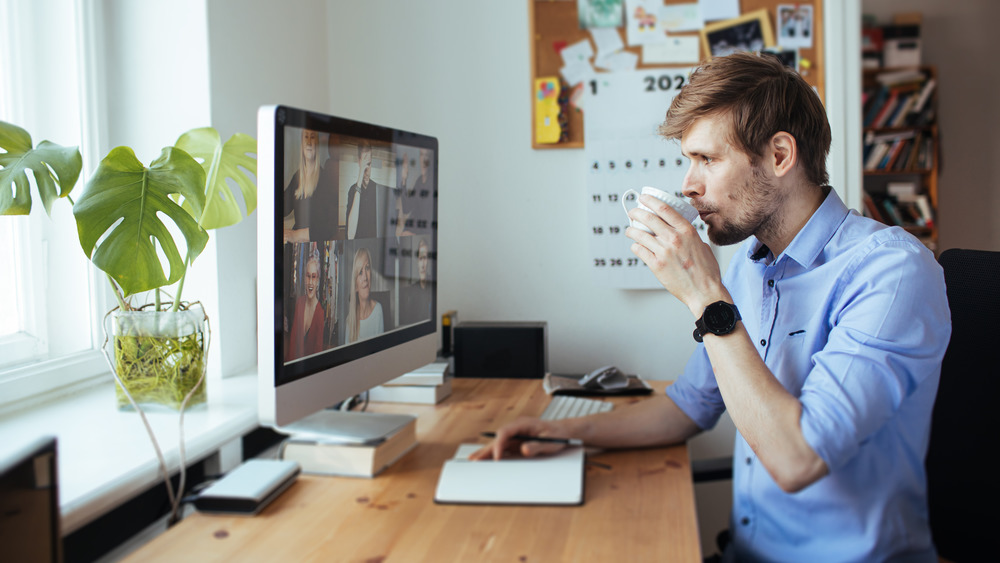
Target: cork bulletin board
{"x":554,"y":25}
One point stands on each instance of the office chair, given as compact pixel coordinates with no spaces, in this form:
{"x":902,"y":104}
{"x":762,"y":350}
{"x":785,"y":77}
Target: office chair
{"x":961,"y":497}
{"x":963,"y":492}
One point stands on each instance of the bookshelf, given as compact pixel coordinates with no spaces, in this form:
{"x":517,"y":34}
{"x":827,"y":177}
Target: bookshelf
{"x":901,"y":149}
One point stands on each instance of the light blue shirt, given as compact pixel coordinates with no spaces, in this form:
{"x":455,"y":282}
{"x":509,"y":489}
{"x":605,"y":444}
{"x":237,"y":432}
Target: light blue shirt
{"x":854,"y":325}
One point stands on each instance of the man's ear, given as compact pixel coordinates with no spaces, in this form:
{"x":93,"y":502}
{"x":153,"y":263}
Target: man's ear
{"x":784,"y":153}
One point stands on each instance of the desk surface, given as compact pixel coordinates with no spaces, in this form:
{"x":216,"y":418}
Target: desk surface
{"x":640,"y":509}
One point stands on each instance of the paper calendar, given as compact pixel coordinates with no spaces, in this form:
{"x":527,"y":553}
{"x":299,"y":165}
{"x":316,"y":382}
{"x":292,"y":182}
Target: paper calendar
{"x":622,"y":111}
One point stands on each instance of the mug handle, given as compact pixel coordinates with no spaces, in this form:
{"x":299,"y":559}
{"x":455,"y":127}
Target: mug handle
{"x":625,"y":207}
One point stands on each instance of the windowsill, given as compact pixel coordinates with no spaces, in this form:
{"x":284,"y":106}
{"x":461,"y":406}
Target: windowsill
{"x":106,"y":457}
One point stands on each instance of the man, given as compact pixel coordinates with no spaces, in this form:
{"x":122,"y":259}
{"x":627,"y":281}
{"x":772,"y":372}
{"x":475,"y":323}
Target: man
{"x":365,"y":217}
{"x":823,"y":340}
{"x":415,"y":304}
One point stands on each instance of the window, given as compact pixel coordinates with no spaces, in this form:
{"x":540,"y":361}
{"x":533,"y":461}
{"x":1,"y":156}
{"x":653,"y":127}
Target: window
{"x":49,"y":332}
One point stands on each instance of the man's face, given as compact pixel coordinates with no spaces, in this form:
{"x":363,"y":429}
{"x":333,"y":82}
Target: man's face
{"x":734,"y":198}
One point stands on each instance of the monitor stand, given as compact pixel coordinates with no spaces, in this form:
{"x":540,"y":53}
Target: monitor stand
{"x":347,"y":427}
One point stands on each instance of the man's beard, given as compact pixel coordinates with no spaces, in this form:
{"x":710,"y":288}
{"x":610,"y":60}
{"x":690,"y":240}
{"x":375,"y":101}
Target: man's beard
{"x":758,"y":200}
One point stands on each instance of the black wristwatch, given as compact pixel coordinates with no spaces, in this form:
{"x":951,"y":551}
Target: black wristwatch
{"x":719,"y":318}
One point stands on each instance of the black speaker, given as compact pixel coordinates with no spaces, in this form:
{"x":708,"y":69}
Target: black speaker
{"x":501,"y":349}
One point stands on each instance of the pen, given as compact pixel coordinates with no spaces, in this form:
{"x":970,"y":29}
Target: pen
{"x":525,"y":437}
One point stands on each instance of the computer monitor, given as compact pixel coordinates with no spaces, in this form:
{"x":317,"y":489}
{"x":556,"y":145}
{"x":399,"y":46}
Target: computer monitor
{"x":347,"y":259}
{"x":29,"y":501}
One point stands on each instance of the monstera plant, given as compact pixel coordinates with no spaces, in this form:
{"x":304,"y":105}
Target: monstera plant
{"x":55,"y":169}
{"x":143,"y":226}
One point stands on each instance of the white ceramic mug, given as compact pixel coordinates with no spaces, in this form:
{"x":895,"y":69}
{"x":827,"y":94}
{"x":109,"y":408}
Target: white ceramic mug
{"x":684,"y":208}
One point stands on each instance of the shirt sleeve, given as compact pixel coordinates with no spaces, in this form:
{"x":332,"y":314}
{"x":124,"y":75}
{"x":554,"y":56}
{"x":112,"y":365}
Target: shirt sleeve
{"x":697,"y":393}
{"x":892,"y":325}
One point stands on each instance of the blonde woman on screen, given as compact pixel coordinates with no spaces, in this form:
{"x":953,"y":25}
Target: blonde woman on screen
{"x":364,"y":316}
{"x":307,"y":327}
{"x":310,"y":200}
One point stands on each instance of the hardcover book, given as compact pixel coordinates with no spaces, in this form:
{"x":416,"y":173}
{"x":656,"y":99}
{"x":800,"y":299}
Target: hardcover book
{"x":350,"y":459}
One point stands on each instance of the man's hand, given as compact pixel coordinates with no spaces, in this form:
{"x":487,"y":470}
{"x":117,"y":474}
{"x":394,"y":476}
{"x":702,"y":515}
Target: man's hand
{"x":505,"y":444}
{"x":676,"y":255}
{"x":363,"y":164}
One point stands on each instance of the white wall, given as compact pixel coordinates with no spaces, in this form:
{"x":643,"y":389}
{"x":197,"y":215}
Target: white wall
{"x":958,"y":38}
{"x":260,"y":53}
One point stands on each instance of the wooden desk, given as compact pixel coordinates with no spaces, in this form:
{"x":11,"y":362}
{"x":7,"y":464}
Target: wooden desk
{"x":642,"y":509}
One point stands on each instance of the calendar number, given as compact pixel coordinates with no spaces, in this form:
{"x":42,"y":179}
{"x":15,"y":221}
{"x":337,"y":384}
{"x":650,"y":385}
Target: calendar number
{"x":663,"y":82}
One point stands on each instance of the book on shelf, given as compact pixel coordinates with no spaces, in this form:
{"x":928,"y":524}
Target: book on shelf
{"x":899,"y":99}
{"x":418,"y":394}
{"x":322,"y":457}
{"x":432,"y":374}
{"x":871,"y":209}
{"x":902,"y":76}
{"x":925,"y":95}
{"x":905,"y":210}
{"x":888,"y":151}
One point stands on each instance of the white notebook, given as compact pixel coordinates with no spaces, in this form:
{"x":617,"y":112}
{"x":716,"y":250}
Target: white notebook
{"x":556,"y":479}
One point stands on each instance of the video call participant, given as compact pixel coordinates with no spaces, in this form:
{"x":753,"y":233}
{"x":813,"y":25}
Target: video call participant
{"x":418,"y":200}
{"x":831,"y":374}
{"x":365,"y":219}
{"x":364,"y":315}
{"x":312,"y":196}
{"x":307,"y":325}
{"x":417,"y":296}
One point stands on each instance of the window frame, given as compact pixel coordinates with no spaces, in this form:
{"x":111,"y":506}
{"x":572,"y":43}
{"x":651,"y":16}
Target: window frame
{"x":41,"y":378}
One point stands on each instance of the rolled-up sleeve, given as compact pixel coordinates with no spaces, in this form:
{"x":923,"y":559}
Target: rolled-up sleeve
{"x":891,"y":324}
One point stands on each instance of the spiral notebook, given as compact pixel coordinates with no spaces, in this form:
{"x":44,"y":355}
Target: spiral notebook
{"x":550,"y":480}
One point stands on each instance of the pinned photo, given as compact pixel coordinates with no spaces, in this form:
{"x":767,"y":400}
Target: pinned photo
{"x":751,"y":32}
{"x":795,"y":26}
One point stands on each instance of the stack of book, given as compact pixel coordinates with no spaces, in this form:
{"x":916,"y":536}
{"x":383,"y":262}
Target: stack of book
{"x":331,"y":456}
{"x":899,"y":99}
{"x":427,"y":385}
{"x":904,"y":210}
{"x":902,"y":151}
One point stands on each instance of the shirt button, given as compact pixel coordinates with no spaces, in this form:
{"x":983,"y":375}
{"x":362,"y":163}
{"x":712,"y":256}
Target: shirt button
{"x":745,"y":521}
{"x":748,"y":461}
{"x":763,"y":342}
{"x":770,"y":283}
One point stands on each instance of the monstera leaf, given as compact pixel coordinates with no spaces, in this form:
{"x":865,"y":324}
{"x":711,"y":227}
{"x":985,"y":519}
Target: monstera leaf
{"x":220,"y":162}
{"x":119,"y":217}
{"x":55,"y":168}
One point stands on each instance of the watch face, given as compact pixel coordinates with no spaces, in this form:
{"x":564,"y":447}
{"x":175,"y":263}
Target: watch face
{"x":720,"y":318}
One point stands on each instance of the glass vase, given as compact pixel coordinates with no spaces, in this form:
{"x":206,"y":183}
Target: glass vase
{"x":159,"y":356}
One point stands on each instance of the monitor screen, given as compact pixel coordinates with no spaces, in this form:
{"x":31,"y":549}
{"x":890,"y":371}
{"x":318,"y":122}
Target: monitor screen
{"x":347,"y":258}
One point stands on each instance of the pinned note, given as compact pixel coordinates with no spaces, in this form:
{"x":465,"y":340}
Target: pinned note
{"x":547,"y":128}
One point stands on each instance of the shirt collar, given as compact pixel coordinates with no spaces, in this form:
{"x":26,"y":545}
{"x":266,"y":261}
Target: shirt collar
{"x":810,"y":241}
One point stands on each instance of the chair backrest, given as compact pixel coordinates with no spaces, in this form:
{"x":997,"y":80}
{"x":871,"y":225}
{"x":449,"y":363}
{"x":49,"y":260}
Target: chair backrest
{"x":962,"y":482}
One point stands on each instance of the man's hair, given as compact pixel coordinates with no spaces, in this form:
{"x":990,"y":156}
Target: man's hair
{"x":762,"y":97}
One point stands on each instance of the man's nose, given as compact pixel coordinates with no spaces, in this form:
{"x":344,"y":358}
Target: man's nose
{"x":692,"y":185}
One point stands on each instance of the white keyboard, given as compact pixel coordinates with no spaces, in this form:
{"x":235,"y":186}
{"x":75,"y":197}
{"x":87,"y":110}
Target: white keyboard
{"x":567,"y":406}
